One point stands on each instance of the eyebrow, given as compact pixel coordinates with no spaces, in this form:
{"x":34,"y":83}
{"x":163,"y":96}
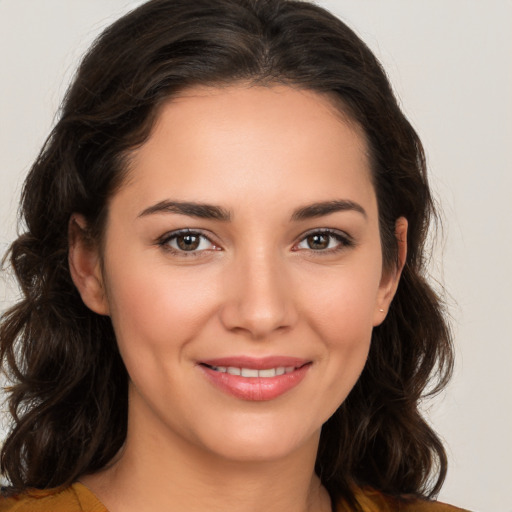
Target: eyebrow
{"x":210,"y":211}
{"x":326,"y":208}
{"x":192,"y":209}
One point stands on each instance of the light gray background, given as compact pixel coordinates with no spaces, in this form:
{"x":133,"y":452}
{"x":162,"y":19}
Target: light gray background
{"x":450,"y":62}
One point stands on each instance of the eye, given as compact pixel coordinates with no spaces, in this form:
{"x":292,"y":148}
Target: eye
{"x":186,"y":241}
{"x":324,"y":241}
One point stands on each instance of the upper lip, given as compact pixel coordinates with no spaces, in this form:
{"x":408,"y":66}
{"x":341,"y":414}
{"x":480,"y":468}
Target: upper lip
{"x":256,"y":363}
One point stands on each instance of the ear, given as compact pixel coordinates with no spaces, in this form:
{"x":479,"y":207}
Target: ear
{"x":85,"y":266}
{"x":391,"y":278}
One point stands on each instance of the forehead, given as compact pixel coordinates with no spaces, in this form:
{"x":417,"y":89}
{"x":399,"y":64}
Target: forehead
{"x":252,"y":142}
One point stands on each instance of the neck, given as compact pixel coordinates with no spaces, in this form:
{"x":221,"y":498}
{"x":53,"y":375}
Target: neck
{"x":171,"y":474}
{"x":222,"y":486}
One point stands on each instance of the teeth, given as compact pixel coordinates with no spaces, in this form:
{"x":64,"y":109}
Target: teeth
{"x":252,"y":373}
{"x":249,"y":372}
{"x":271,"y":372}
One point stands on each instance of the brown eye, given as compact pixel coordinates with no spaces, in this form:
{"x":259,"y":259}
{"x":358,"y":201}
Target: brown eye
{"x":318,"y":241}
{"x":325,"y":241}
{"x":188,"y":242}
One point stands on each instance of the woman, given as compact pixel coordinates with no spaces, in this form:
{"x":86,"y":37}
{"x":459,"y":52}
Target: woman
{"x":224,"y":304}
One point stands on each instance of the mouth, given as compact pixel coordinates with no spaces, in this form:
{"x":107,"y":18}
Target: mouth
{"x":252,"y":373}
{"x":255,"y":379}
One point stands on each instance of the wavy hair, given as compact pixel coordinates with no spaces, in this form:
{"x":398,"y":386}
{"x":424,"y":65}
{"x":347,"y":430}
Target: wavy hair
{"x":68,"y":398}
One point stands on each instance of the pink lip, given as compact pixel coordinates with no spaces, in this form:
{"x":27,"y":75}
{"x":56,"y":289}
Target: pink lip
{"x":256,"y":388}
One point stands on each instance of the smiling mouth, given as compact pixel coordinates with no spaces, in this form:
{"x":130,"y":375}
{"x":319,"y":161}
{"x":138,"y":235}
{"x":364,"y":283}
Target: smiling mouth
{"x":252,"y":373}
{"x":256,"y":380}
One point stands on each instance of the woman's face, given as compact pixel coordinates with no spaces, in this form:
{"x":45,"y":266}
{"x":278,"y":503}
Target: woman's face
{"x":242,"y":270}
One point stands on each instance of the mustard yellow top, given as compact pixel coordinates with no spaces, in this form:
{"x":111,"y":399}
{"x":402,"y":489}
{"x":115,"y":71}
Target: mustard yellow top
{"x":75,"y":498}
{"x":78,"y":498}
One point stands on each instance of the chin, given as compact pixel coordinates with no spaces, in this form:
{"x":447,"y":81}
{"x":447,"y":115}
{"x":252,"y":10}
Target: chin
{"x":260,"y":439}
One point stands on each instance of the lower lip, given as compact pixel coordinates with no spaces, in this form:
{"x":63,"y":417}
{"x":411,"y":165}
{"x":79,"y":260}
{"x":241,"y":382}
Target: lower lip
{"x":255,"y":388}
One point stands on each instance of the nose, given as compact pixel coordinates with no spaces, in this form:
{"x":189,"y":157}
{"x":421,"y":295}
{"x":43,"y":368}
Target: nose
{"x":259,"y":297}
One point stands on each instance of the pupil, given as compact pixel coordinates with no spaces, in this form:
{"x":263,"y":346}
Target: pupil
{"x":188,"y":242}
{"x":318,"y":241}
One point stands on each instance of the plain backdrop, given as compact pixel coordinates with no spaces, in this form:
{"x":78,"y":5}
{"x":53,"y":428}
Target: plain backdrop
{"x":450,"y":62}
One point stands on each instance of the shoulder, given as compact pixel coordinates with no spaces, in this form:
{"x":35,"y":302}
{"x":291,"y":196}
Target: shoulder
{"x":75,"y":498}
{"x":374,"y":501}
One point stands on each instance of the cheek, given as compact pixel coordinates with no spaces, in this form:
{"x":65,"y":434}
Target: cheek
{"x":156,"y":309}
{"x":345,"y":325}
{"x":343,"y":302}
{"x":340,"y":310}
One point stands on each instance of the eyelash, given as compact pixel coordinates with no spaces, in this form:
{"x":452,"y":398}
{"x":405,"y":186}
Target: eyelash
{"x":166,"y":239}
{"x":343,"y":240}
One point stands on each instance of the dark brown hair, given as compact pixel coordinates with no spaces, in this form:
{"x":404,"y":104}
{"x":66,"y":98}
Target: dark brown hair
{"x":68,"y":398}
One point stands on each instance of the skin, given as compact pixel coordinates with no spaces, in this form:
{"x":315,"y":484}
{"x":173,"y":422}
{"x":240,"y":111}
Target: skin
{"x":254,"y":287}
